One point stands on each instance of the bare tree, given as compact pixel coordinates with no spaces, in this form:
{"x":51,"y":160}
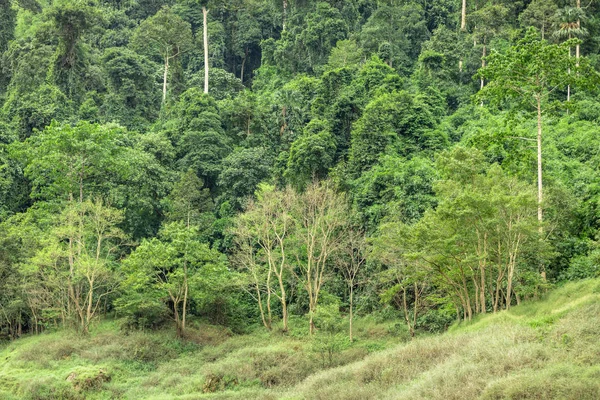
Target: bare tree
{"x":267,"y":226}
{"x":351,"y":264}
{"x":321,"y":214}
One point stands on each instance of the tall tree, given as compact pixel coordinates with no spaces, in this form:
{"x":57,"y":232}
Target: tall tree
{"x":569,"y":27}
{"x":531,"y":71}
{"x":488,"y":21}
{"x":205,"y":41}
{"x":165,"y":35}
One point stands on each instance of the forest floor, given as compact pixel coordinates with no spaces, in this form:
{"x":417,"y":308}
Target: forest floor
{"x":545,"y":349}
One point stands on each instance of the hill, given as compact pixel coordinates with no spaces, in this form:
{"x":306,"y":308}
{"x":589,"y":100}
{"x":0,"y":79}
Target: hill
{"x":539,"y":350}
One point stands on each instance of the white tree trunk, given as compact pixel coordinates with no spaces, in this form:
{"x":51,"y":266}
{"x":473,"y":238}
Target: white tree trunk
{"x":165,"y":78}
{"x":205,"y":14}
{"x":463,"y":16}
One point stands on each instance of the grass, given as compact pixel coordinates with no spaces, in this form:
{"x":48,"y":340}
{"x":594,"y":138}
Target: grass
{"x":539,"y":350}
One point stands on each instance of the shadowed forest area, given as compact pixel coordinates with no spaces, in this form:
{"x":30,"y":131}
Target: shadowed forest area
{"x":299,"y":199}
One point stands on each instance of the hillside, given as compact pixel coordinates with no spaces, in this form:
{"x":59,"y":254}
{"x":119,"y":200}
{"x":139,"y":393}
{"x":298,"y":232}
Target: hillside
{"x":538,"y":350}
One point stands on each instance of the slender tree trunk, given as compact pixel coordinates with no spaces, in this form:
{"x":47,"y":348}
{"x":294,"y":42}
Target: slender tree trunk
{"x":243,"y":65}
{"x":406,"y":316}
{"x":269,"y":292}
{"x":165,"y":78}
{"x":177,"y":320}
{"x":539,"y":159}
{"x":185,"y":297}
{"x":578,"y":27}
{"x":351,"y":310}
{"x":482,"y":273}
{"x":540,"y":184}
{"x":260,"y":307}
{"x":205,"y":34}
{"x":483,"y":63}
{"x":285,"y":7}
{"x":463,"y":16}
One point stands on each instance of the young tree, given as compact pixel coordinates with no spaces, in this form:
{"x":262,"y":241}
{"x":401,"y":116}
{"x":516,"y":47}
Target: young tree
{"x":79,"y":255}
{"x":351,"y":261}
{"x":321,"y":215}
{"x":263,"y":235}
{"x":170,"y":270}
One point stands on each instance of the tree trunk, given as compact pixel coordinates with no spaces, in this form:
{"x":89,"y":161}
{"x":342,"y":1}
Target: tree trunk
{"x":406,"y":316}
{"x":285,"y":7}
{"x":243,"y":65}
{"x":185,"y":297}
{"x":205,"y":14}
{"x":269,"y":292}
{"x":351,"y":315}
{"x":463,"y":16}
{"x":177,"y":319}
{"x":483,"y":63}
{"x":165,"y":79}
{"x":539,"y":159}
{"x":260,"y":307}
{"x":578,"y":27}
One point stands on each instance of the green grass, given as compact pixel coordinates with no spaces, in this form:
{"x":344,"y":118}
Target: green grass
{"x":539,"y":350}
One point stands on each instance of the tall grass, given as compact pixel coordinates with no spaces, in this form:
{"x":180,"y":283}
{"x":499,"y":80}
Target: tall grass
{"x":539,"y":350}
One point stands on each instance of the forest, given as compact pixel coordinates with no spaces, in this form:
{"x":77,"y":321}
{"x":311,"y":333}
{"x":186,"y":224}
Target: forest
{"x":293,"y":168}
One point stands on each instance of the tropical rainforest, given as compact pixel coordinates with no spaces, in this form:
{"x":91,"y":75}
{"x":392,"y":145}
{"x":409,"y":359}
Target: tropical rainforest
{"x":265,"y":198}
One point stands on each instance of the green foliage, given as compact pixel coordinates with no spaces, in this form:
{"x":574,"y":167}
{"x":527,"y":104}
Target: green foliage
{"x":324,"y":118}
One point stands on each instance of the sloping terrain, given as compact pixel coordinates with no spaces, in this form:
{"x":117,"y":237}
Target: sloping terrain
{"x":539,"y":350}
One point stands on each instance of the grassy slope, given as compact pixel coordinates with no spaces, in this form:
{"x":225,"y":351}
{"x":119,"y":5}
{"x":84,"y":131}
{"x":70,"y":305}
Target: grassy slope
{"x":540,"y":350}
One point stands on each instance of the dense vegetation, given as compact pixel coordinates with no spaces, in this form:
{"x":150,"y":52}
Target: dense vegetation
{"x":268,"y":166}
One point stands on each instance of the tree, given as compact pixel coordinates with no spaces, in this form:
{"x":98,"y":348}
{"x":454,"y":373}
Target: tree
{"x":166,"y":35}
{"x":311,"y":155}
{"x":541,"y":14}
{"x":393,"y":246}
{"x":320,"y":214}
{"x":351,"y":262}
{"x":189,"y":200}
{"x":396,"y":122}
{"x":132,"y":97}
{"x":197,"y":135}
{"x":395,"y":32}
{"x":531,"y":71}
{"x":79,"y":255}
{"x":8,"y":18}
{"x":569,"y":26}
{"x":170,"y":270}
{"x":243,"y":170}
{"x":489,"y":22}
{"x":70,"y":19}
